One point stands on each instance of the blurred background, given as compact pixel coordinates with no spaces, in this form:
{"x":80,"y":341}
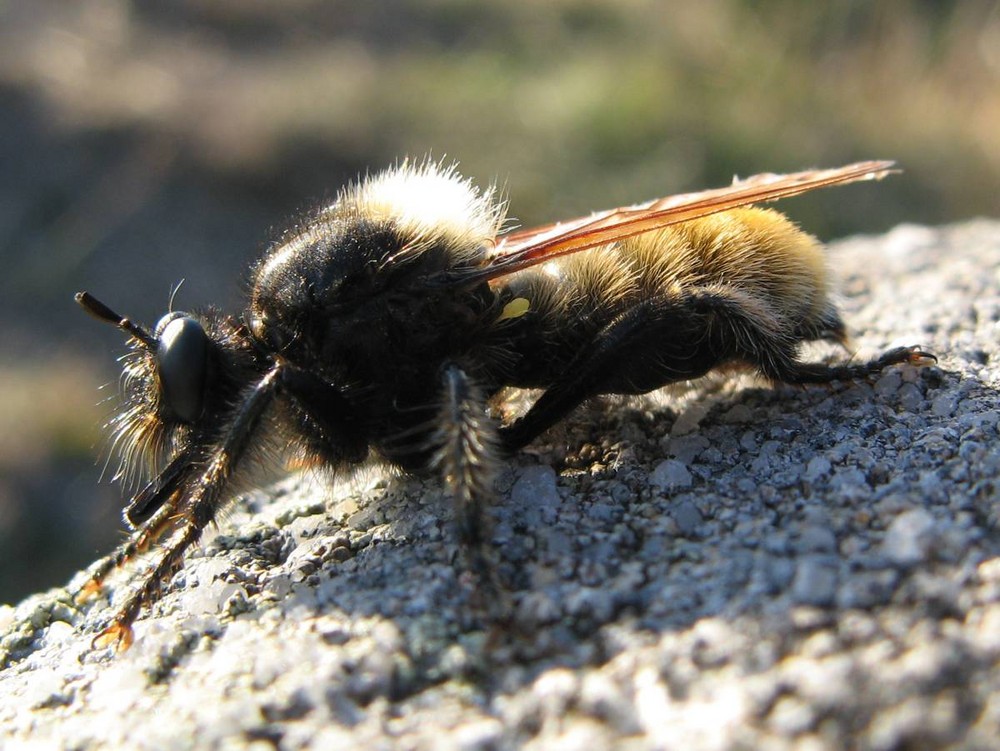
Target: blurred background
{"x":146,"y":143}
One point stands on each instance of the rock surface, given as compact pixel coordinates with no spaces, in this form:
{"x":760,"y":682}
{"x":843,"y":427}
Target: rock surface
{"x":732,"y":567}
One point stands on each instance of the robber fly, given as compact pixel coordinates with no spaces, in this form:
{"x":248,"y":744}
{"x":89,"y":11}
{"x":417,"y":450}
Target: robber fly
{"x":382,"y":325}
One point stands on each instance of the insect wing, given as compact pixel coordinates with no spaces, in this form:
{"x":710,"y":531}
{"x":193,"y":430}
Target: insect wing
{"x":525,"y":248}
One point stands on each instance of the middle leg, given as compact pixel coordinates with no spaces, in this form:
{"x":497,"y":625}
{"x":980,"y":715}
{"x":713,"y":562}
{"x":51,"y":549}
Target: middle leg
{"x":466,"y":455}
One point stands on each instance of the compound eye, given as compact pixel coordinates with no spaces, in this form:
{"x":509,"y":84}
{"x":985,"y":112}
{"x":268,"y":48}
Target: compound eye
{"x":182,"y":361}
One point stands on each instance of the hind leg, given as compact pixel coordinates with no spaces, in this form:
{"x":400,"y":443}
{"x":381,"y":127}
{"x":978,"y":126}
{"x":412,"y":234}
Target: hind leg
{"x":747,"y":330}
{"x":681,"y":337}
{"x":623,"y":357}
{"x":812,"y":372}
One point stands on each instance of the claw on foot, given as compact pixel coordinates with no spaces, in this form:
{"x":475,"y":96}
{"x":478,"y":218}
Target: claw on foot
{"x":117,"y":636}
{"x":921,"y":357}
{"x":88,"y":592}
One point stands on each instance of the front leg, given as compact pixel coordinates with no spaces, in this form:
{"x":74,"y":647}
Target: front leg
{"x":189,"y":509}
{"x":330,"y":424}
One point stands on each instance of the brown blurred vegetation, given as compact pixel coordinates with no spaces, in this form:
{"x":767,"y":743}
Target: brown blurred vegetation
{"x":144,"y":143}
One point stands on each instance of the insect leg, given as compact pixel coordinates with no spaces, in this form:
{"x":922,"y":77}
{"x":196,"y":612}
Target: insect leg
{"x":197,"y":506}
{"x":743,"y":328}
{"x":664,"y":339}
{"x":584,"y":377}
{"x":758,"y":337}
{"x":161,"y":489}
{"x":152,"y":510}
{"x":677,"y":337}
{"x":794,"y":372}
{"x":329,"y":421}
{"x":156,"y":526}
{"x":466,"y":455}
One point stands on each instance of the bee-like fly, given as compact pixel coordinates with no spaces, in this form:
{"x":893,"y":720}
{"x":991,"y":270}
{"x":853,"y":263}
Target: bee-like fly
{"x":383,"y":324}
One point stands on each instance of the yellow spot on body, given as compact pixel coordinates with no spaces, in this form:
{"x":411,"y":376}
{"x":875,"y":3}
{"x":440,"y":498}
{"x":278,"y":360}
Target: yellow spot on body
{"x":515,"y":308}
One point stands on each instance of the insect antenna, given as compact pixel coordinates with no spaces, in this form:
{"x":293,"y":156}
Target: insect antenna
{"x":102,"y":312}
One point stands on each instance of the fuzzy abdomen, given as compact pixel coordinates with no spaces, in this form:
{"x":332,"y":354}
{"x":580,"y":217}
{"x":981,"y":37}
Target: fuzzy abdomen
{"x":728,"y":287}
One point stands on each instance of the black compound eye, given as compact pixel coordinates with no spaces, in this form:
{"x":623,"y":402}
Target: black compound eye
{"x":182,"y":361}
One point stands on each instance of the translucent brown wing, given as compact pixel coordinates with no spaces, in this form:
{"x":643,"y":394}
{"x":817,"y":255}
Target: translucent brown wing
{"x":524,"y":248}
